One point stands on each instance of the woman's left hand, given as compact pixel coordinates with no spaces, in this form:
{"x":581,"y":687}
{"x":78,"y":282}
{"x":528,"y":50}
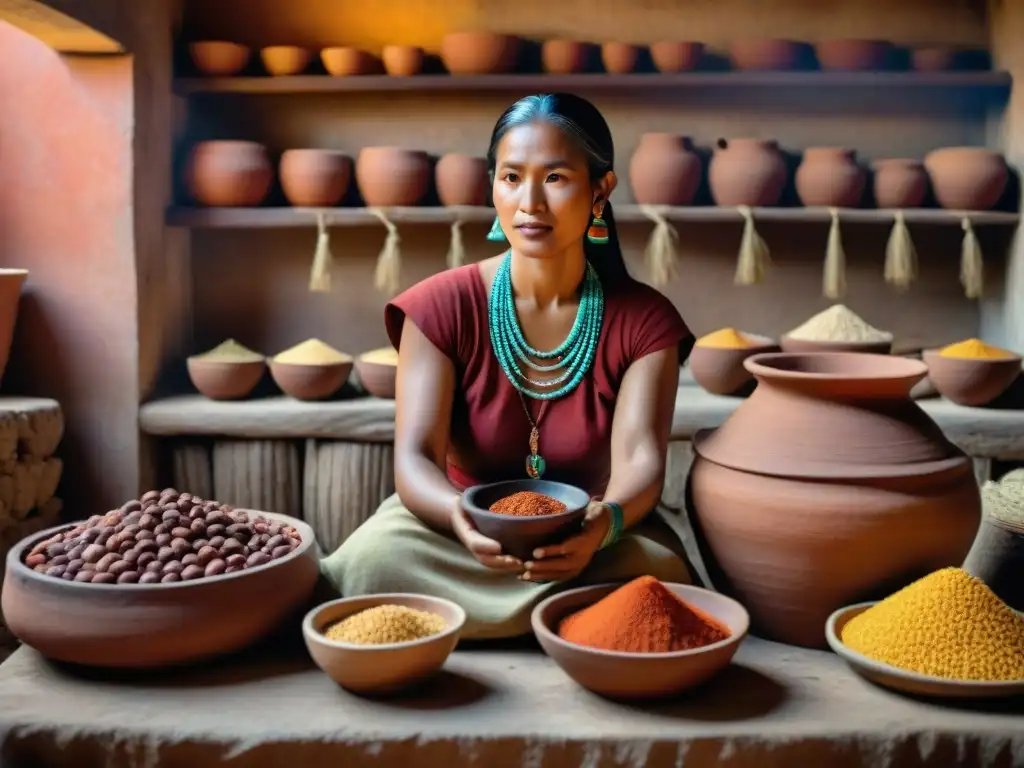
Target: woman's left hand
{"x":559,"y":562}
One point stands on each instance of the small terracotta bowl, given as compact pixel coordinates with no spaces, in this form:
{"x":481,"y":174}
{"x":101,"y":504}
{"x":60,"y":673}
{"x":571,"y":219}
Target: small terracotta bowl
{"x":378,"y":379}
{"x":869,"y":347}
{"x":381,"y":669}
{"x":720,"y":370}
{"x":402,"y":60}
{"x":966,"y":381}
{"x":310,"y":382}
{"x":639,"y":675}
{"x":344,"y":61}
{"x":676,"y":56}
{"x":218,"y":57}
{"x":284,"y":60}
{"x":221,"y":380}
{"x":563,"y":57}
{"x":519,"y":536}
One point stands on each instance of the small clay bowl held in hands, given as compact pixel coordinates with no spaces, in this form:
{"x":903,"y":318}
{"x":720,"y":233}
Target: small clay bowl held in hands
{"x":804,"y":345}
{"x":224,"y":380}
{"x":969,"y":381}
{"x":311,"y":381}
{"x":618,"y":675}
{"x":720,"y":370}
{"x":520,"y":536}
{"x":219,"y":58}
{"x":381,"y":669}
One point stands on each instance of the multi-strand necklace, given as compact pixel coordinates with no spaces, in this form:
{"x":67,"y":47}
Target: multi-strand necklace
{"x":570,"y":361}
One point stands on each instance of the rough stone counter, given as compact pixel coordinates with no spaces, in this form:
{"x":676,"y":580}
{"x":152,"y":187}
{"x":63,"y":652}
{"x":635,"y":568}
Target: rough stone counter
{"x":776,"y":706}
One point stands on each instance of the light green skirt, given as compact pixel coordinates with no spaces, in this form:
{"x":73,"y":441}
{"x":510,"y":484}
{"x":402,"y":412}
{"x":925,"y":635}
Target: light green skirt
{"x":394,"y":552}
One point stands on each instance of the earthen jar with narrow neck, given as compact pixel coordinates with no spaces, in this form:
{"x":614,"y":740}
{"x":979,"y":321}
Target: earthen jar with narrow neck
{"x":664,"y":170}
{"x":747,"y":172}
{"x":830,"y":176}
{"x":900,"y":183}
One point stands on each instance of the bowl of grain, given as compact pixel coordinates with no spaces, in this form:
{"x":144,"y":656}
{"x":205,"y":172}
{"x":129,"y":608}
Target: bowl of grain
{"x":377,"y":371}
{"x":380,"y":644}
{"x":311,"y":370}
{"x":837,"y":329}
{"x":972,"y":372}
{"x":522,"y":515}
{"x":716,"y":361}
{"x":229,"y":371}
{"x":642,"y":640}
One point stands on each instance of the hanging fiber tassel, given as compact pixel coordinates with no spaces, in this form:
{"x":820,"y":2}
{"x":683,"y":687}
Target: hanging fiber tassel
{"x":320,"y":274}
{"x":835,"y":260}
{"x":389,"y":263}
{"x":456,"y":249}
{"x":754,"y":257}
{"x":972,"y":275}
{"x":900,"y":255}
{"x":660,"y":253}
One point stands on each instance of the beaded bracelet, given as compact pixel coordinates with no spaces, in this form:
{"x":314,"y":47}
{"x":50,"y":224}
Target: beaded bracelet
{"x":615,"y":528}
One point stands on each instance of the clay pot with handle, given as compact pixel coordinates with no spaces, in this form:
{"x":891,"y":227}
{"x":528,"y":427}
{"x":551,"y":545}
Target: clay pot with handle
{"x":747,"y":172}
{"x":900,"y":183}
{"x":229,"y":173}
{"x":967,"y":178}
{"x":830,"y":176}
{"x":664,"y":170}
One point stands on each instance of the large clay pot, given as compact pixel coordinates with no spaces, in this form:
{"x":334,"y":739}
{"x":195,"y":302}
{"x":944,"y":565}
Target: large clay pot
{"x":747,"y":172}
{"x":830,"y":176}
{"x":828,"y":486}
{"x":900,"y":183}
{"x":967,"y":178}
{"x":317,"y":178}
{"x":390,"y":176}
{"x":11,"y":281}
{"x":479,"y":53}
{"x":664,"y":170}
{"x":462,"y":180}
{"x":229,"y":173}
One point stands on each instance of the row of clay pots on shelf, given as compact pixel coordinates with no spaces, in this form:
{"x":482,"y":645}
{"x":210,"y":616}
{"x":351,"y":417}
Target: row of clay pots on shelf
{"x":240,"y":174}
{"x":667,"y":170}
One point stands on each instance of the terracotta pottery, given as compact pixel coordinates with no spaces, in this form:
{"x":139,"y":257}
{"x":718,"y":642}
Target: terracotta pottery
{"x":673,"y":56}
{"x":310,"y":382}
{"x":830,"y":176}
{"x":807,"y":345}
{"x":828,"y":486}
{"x":344,"y":61}
{"x":285,"y":60}
{"x":224,"y":380}
{"x":900,"y":183}
{"x":852,"y":55}
{"x":764,"y":54}
{"x":11,"y":282}
{"x":392,"y":176}
{"x":219,"y":58}
{"x":378,"y":379}
{"x":971,"y":382}
{"x":720,"y":370}
{"x":138,"y":626}
{"x":479,"y":53}
{"x":967,"y":178}
{"x":229,"y":173}
{"x":747,"y":172}
{"x":664,"y":170}
{"x":462,"y":180}
{"x":934,"y":58}
{"x":620,"y":58}
{"x":564,"y":57}
{"x":317,"y":178}
{"x":402,"y":60}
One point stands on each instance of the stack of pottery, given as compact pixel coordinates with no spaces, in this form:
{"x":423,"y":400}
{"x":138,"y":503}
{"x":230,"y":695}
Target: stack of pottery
{"x":830,"y":176}
{"x":664,"y":170}
{"x":392,"y":176}
{"x":967,"y":178}
{"x":229,"y":173}
{"x":747,"y":172}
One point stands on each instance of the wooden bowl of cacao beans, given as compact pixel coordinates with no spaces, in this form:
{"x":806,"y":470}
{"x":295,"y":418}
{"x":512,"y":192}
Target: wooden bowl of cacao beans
{"x":165,"y":580}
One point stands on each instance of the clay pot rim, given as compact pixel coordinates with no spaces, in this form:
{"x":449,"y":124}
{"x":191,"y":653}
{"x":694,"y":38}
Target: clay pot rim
{"x":691,"y":43}
{"x":401,"y":47}
{"x":907,"y":162}
{"x":17,"y":568}
{"x":236,"y":143}
{"x":317,"y":151}
{"x":286,"y":47}
{"x":759,"y":340}
{"x":888,"y":366}
{"x":403,"y":150}
{"x":198,"y":360}
{"x":965,"y":150}
{"x":196,"y":43}
{"x":980,"y":361}
{"x":473,"y":508}
{"x":631,"y":46}
{"x":336,"y":364}
{"x":463,"y":156}
{"x":745,"y":141}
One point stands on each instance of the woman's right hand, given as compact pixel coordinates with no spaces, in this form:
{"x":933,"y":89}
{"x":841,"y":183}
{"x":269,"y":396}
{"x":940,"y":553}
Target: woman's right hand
{"x":486,"y":551}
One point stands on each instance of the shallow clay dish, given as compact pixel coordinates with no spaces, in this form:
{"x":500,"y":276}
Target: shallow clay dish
{"x":284,"y":60}
{"x":310,"y":382}
{"x":519,"y":536}
{"x":218,"y":57}
{"x":136,"y":626}
{"x":803,"y":345}
{"x":908,"y":682}
{"x":378,"y":379}
{"x":381,"y":669}
{"x":720,"y":371}
{"x":639,"y":675}
{"x":971,"y":382}
{"x":224,"y":380}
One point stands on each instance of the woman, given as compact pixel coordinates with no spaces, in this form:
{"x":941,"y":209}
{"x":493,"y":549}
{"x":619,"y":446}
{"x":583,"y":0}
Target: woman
{"x":549,"y":355}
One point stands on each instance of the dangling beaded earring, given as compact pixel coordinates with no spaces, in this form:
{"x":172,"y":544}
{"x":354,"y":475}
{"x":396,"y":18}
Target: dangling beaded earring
{"x":598,"y":231}
{"x":496,"y":235}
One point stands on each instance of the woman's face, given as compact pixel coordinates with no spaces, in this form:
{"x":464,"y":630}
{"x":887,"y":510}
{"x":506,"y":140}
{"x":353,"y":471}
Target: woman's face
{"x":542,"y":190}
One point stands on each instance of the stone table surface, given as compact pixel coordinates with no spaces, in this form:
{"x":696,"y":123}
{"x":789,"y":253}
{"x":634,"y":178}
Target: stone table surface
{"x":491,"y":708}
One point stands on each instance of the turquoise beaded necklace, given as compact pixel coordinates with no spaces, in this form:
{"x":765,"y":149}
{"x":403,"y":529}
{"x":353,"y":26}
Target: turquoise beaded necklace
{"x":573,"y":358}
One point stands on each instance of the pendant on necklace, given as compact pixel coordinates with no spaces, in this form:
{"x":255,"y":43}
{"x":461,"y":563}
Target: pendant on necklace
{"x":535,"y":464}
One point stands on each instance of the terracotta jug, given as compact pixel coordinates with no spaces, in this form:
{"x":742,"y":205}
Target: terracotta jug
{"x":664,"y":170}
{"x":900,"y":183}
{"x":389,"y":176}
{"x":828,"y":486}
{"x":229,"y":173}
{"x":967,"y":178}
{"x":830,"y":176}
{"x":462,"y":180}
{"x":316,"y":178}
{"x":747,"y":172}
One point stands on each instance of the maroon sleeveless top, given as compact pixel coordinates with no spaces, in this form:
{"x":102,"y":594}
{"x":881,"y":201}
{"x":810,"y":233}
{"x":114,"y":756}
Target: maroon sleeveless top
{"x":489,"y":438}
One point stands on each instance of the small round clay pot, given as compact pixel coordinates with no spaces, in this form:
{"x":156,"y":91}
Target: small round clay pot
{"x":310,"y":382}
{"x":848,"y":55}
{"x":462,"y":180}
{"x":285,"y":60}
{"x":224,"y":380}
{"x":219,"y":58}
{"x":563,"y":57}
{"x":967,"y":178}
{"x":830,"y":176}
{"x":900,"y":183}
{"x":317,"y":178}
{"x":764,"y":54}
{"x":479,"y":53}
{"x":720,"y":371}
{"x":402,"y":60}
{"x":664,"y":170}
{"x":934,"y":58}
{"x":620,"y":58}
{"x":676,"y":56}
{"x":392,"y":176}
{"x":971,"y":382}
{"x":747,"y":172}
{"x":805,"y":345}
{"x":345,"y":61}
{"x":229,"y":173}
{"x":378,"y":379}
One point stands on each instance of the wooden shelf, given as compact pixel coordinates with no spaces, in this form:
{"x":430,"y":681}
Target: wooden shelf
{"x":269,"y":218}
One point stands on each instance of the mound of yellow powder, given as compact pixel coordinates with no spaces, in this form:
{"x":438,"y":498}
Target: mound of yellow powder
{"x":975,"y":349}
{"x":312,"y":352}
{"x":382,"y":356}
{"x":230,"y":351}
{"x":725,"y":338}
{"x":386,"y":624}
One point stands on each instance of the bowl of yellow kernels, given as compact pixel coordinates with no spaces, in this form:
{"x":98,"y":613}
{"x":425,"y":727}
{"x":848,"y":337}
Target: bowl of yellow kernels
{"x":972,"y":372}
{"x":716,"y":361}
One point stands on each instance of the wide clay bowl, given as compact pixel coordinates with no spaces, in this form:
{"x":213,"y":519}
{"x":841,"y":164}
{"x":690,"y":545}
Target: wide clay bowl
{"x":223,"y":380}
{"x":789,"y":344}
{"x":720,"y":370}
{"x":284,"y":60}
{"x":378,"y":379}
{"x":968,"y":381}
{"x":479,"y":53}
{"x":519,"y":536}
{"x":901,"y":680}
{"x":639,"y":675}
{"x":219,"y":57}
{"x":138,"y":626}
{"x":310,"y":382}
{"x":381,"y":669}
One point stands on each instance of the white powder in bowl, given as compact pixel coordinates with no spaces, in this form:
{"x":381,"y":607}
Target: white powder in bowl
{"x":1004,"y":499}
{"x":837,"y":323}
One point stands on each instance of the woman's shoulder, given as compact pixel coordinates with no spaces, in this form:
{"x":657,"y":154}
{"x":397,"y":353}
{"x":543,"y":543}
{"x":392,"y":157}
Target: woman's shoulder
{"x":442,"y":306}
{"x":643,"y":319}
